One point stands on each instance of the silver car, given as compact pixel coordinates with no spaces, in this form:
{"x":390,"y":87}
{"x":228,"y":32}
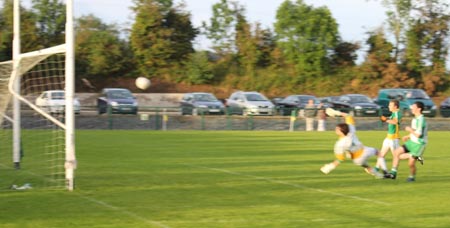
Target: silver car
{"x":53,"y":101}
{"x":249,"y":103}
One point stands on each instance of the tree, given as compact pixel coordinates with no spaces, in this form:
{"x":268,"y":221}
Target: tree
{"x":199,"y":70}
{"x":413,"y":60}
{"x":379,"y":68}
{"x":99,"y":50}
{"x":398,"y":21}
{"x":51,"y":21}
{"x":161,"y":37}
{"x":427,"y":44}
{"x":306,"y":35}
{"x":222,"y":27}
{"x":28,"y":31}
{"x":247,"y":46}
{"x":344,"y":54}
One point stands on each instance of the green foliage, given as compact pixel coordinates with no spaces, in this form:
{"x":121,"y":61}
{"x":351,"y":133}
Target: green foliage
{"x":99,"y":50}
{"x":161,"y":36}
{"x":221,"y":29}
{"x":30,"y":40}
{"x":306,"y":35}
{"x":247,"y":46}
{"x":398,"y":20}
{"x":303,"y":54}
{"x":199,"y":70}
{"x":344,"y":54}
{"x":51,"y":20}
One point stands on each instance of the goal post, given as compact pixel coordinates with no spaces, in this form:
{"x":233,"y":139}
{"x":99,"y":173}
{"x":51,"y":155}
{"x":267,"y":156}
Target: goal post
{"x":47,"y":137}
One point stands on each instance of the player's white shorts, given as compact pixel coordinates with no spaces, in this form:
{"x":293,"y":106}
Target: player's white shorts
{"x":367,"y":153}
{"x":390,"y":144}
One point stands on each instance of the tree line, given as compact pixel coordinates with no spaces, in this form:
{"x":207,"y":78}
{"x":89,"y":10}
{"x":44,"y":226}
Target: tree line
{"x":302,"y":53}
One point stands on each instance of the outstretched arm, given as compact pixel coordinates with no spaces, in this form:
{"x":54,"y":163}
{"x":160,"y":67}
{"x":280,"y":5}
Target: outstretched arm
{"x":327,"y":168}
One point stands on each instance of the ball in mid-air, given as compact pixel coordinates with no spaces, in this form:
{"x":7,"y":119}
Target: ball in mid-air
{"x":142,"y":83}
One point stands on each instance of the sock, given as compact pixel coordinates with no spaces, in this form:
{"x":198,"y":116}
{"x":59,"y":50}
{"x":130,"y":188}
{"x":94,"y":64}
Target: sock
{"x":394,"y":171}
{"x":382,"y":163}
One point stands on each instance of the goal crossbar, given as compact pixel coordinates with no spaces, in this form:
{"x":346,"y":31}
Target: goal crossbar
{"x":38,"y":57}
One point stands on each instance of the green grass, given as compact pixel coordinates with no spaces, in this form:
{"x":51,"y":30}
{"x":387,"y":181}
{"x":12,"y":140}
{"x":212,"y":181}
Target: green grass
{"x":229,"y":179}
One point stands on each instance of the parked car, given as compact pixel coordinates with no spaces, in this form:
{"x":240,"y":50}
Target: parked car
{"x":201,"y":103}
{"x":249,"y":103}
{"x":357,"y":105}
{"x":444,"y":109}
{"x":294,"y":103}
{"x":328,"y":100}
{"x":118,"y":100}
{"x":406,"y":98}
{"x":53,"y":101}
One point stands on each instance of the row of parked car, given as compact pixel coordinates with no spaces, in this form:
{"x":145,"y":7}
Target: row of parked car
{"x":120,"y":100}
{"x":254,"y":103}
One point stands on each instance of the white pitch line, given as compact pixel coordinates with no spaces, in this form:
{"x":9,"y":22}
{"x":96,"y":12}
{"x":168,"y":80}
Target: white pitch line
{"x":291,"y":184}
{"x":109,"y":206}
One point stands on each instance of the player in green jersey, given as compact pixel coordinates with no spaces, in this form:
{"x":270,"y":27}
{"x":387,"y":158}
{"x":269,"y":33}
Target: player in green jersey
{"x":391,"y":142}
{"x":414,"y":145}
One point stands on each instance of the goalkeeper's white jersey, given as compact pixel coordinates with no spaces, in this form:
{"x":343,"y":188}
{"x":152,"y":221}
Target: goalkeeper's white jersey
{"x":348,"y":144}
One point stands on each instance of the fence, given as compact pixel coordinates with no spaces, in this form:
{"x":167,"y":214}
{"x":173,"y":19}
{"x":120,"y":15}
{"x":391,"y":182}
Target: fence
{"x":170,"y":118}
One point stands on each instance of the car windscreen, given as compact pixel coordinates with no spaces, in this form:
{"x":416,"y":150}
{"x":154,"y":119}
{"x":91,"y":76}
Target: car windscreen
{"x":255,"y":97}
{"x":416,"y":94}
{"x":359,"y":99}
{"x":58,"y":96}
{"x":120,"y":94}
{"x":205,"y":97}
{"x":305,"y":100}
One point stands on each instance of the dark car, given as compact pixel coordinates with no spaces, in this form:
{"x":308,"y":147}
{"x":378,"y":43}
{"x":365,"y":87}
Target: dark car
{"x":201,"y":103}
{"x":356,"y":105}
{"x":294,"y":103}
{"x":444,"y":109}
{"x":117,"y":100}
{"x":406,"y":98}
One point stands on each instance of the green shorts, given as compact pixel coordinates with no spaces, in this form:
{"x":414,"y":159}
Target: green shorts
{"x":415,"y":149}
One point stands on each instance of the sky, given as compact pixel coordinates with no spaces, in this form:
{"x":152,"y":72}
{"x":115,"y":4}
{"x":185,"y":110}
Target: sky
{"x":355,"y":17}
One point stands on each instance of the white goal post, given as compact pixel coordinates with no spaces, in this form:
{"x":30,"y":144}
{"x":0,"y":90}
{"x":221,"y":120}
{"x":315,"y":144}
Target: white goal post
{"x":21,"y":81}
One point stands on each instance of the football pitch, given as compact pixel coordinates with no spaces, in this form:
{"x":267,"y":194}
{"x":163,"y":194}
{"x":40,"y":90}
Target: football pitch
{"x":229,"y":179}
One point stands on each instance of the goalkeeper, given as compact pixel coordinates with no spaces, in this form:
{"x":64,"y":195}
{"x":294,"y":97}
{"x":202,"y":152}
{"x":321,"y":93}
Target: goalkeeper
{"x":349,"y":144}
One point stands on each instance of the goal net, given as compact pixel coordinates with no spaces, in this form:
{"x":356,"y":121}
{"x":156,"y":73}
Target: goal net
{"x":41,"y":151}
{"x":37,"y":140}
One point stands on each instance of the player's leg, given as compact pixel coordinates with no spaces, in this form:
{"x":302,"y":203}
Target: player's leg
{"x":398,"y":154}
{"x":309,"y":124}
{"x":416,"y":151}
{"x":321,"y":125}
{"x":362,"y":161}
{"x":381,"y":162}
{"x":412,"y":169}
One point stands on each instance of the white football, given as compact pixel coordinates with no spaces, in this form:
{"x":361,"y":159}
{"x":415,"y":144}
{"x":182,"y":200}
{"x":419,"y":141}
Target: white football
{"x":142,"y":83}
